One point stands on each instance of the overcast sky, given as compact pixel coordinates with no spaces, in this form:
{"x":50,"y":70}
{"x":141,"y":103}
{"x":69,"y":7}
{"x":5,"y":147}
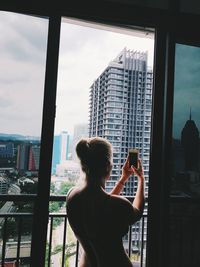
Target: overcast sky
{"x":85,"y":52}
{"x":23,"y":41}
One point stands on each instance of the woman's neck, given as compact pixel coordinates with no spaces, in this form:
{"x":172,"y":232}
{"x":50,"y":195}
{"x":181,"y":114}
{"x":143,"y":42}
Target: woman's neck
{"x":95,"y":184}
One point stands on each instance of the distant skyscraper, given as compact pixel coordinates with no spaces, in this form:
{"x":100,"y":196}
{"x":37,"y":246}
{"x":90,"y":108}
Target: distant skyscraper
{"x":64,"y":138}
{"x":34,"y":157}
{"x":6,"y":150}
{"x":80,"y":131}
{"x":28,"y":156}
{"x":7,"y":155}
{"x":56,"y":153}
{"x":4,"y":186}
{"x":23,"y":156}
{"x":120,"y":111}
{"x":60,"y":149}
{"x":190,"y":143}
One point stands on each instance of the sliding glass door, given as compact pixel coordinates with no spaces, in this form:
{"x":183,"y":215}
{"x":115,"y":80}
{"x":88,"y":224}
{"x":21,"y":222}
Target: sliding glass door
{"x":184,"y":217}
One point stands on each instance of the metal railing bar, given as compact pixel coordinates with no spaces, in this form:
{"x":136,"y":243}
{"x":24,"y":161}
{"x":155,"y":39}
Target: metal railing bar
{"x":64,"y":242}
{"x":77,"y":252}
{"x":57,"y":198}
{"x":16,"y":214}
{"x":4,"y":241}
{"x":57,"y":214}
{"x":29,"y":197}
{"x":19,"y":239}
{"x":20,"y":214}
{"x":129,"y":241}
{"x":50,"y":241}
{"x":33,"y":197}
{"x":13,"y":259}
{"x":142,"y":243}
{"x":21,"y":197}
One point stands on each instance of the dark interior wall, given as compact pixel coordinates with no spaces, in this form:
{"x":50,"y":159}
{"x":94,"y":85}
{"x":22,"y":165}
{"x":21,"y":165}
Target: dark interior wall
{"x":185,"y":6}
{"x":148,"y":13}
{"x":192,"y":6}
{"x":163,"y":4}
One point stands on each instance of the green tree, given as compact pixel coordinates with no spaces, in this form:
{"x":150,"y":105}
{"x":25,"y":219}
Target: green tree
{"x":47,"y":255}
{"x":53,"y":188}
{"x":70,"y":250}
{"x":65,"y":187}
{"x":29,"y":188}
{"x":54,"y":206}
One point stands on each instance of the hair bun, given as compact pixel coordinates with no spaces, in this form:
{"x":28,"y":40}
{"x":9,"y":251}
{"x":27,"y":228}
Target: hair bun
{"x":82,"y":150}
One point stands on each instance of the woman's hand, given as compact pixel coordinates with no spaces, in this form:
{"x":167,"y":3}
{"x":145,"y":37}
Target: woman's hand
{"x":139,"y":171}
{"x":126,"y":170}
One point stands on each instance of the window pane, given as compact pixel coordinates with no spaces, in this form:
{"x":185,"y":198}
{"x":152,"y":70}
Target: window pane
{"x":104,"y":75}
{"x":185,"y":164}
{"x":23,"y":43}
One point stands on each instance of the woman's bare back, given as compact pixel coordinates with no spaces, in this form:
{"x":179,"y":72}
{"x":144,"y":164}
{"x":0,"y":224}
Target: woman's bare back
{"x":99,"y":221}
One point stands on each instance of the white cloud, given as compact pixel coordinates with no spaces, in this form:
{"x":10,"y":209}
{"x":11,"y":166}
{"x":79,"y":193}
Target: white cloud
{"x":22,"y":71}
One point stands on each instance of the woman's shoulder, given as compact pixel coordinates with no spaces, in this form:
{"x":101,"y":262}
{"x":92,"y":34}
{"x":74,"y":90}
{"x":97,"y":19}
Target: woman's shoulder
{"x":72,"y":193}
{"x":119,"y":200}
{"x":124,"y":208}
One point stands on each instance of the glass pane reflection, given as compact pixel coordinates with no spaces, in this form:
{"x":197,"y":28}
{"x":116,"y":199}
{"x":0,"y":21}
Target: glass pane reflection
{"x":186,"y":123}
{"x":185,"y":161}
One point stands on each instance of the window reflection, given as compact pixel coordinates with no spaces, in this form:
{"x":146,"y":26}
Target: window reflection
{"x":186,"y":123}
{"x":185,"y":160}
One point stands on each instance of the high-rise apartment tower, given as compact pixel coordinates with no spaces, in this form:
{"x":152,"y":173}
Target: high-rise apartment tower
{"x":120,"y":111}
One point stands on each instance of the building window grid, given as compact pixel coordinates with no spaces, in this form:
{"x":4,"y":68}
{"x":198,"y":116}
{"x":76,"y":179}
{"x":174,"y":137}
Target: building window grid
{"x":135,"y":82}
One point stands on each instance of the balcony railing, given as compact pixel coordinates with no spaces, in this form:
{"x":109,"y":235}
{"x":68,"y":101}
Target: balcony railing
{"x":16,"y":251}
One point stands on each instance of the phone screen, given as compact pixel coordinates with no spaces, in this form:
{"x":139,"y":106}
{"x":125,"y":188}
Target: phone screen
{"x":133,"y":157}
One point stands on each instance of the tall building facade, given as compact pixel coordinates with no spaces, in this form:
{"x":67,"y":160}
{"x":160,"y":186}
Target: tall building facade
{"x":34,"y":158}
{"x":190,"y":144}
{"x":7,"y":155}
{"x":64,"y":147}
{"x":56,"y":153}
{"x":120,"y":111}
{"x":6,"y":149}
{"x":61,"y":146}
{"x":4,"y":186}
{"x":23,"y":156}
{"x":80,"y":131}
{"x":28,"y":156}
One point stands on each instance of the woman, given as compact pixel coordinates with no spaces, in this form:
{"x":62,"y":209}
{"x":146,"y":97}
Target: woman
{"x":98,"y":219}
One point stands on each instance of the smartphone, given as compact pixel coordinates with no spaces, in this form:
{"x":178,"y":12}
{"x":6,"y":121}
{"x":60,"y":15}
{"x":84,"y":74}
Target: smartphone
{"x":133,"y":157}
